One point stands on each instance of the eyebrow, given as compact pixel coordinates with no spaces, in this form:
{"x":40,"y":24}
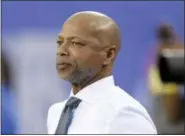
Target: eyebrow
{"x":70,"y":38}
{"x":59,"y":37}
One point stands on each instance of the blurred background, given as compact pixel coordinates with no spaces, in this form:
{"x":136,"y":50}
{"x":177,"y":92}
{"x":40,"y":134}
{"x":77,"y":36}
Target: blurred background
{"x":30,"y":84}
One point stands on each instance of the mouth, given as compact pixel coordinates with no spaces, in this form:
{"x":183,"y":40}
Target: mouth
{"x":63,"y":66}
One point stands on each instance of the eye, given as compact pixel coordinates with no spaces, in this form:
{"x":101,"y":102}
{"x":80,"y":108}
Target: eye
{"x":74,"y":43}
{"x":59,"y":42}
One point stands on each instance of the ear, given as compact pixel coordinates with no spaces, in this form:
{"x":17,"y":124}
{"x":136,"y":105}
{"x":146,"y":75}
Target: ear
{"x":109,"y":54}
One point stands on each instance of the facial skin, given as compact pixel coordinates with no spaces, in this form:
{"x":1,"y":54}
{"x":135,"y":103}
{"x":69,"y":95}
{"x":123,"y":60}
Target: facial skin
{"x":87,"y":46}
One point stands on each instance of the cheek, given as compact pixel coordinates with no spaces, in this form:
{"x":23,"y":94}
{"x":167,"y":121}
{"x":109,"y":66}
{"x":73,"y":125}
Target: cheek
{"x":88,"y":59}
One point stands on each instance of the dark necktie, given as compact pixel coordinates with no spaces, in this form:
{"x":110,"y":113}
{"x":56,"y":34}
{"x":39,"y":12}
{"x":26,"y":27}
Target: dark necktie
{"x":67,"y":115}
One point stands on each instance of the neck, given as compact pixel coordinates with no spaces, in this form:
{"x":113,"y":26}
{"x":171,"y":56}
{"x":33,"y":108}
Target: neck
{"x":89,"y":80}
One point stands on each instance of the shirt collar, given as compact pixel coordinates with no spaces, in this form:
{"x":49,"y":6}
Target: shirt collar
{"x":90,"y":93}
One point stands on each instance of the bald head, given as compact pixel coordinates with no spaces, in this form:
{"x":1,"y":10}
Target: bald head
{"x":100,"y":25}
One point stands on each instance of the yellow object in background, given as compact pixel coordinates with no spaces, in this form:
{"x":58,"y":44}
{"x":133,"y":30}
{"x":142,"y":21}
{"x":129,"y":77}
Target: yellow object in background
{"x":156,"y":86}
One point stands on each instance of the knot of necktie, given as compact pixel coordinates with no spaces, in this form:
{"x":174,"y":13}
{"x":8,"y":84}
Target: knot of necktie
{"x":73,"y":102}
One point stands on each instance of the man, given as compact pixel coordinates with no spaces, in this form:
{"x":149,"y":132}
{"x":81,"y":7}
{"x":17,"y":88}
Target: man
{"x":87,"y":47}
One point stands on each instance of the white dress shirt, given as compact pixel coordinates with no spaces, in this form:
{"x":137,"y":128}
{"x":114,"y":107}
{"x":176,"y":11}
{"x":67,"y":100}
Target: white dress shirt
{"x":105,"y":109}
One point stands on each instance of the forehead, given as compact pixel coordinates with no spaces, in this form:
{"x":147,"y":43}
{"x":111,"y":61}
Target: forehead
{"x":78,"y":28}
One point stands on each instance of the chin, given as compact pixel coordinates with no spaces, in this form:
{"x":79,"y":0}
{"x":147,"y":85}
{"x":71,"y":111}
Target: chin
{"x":70,"y":78}
{"x":65,"y":76}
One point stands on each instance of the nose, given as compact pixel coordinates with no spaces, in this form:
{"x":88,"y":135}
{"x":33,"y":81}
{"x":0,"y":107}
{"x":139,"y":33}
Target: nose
{"x":63,"y":51}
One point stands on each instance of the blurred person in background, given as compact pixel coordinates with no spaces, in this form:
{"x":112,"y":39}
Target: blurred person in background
{"x":35,"y":77}
{"x":8,"y":103}
{"x":168,"y":95}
